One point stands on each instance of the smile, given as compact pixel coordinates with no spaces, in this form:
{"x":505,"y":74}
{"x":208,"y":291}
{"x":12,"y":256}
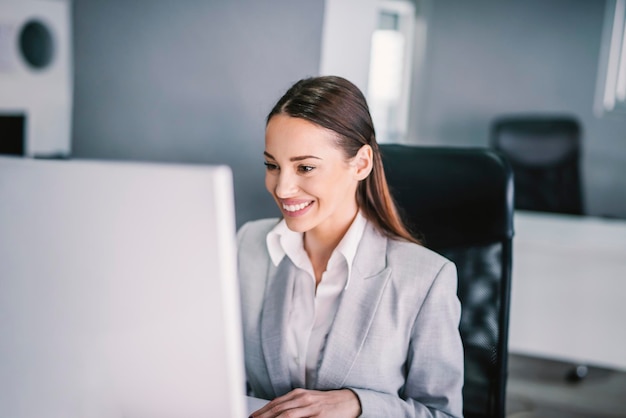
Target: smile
{"x":296,"y":208}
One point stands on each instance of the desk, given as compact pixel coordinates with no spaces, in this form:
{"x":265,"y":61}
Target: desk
{"x":568,"y":297}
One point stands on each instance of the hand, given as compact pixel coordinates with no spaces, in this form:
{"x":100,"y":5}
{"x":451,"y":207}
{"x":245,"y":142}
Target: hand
{"x":301,"y":403}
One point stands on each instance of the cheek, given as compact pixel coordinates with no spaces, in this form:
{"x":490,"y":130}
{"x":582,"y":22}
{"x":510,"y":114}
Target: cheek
{"x":341,"y":181}
{"x":342,"y":187}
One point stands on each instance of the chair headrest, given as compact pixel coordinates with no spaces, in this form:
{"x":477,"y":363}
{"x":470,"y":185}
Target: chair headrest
{"x":537,"y":140}
{"x":452,"y":196}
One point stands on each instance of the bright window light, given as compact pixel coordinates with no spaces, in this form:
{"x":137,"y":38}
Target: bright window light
{"x":612,"y":74}
{"x":389,"y":81}
{"x":387,"y":62}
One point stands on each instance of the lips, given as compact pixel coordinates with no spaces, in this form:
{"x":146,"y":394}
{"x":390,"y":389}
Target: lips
{"x":296,"y":209}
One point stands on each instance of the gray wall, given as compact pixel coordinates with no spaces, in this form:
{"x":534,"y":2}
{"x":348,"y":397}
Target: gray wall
{"x":189,"y":81}
{"x":485,"y":58}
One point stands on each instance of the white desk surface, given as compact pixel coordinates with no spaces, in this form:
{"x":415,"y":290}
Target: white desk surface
{"x":568,"y":297}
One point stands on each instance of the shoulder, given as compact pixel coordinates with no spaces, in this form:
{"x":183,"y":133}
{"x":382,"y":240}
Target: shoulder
{"x":251,"y":241}
{"x":408,"y":260}
{"x":408,"y":253}
{"x":254,"y":231}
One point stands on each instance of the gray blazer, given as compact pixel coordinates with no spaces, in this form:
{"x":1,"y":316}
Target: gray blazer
{"x":394,"y":341}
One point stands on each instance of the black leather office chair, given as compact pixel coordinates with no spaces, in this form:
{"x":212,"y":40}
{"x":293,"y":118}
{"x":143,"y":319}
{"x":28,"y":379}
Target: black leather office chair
{"x":544,"y":152}
{"x":460,"y":203}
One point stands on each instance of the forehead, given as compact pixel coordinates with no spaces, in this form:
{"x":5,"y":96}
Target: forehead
{"x":286,"y":136}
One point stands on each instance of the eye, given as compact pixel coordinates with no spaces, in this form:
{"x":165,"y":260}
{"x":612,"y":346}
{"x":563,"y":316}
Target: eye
{"x":305,"y":168}
{"x":270,"y":166}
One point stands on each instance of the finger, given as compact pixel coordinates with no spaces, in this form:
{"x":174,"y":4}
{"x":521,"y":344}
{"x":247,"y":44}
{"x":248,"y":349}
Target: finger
{"x":296,"y":402}
{"x":289,"y":409}
{"x":271,"y":404}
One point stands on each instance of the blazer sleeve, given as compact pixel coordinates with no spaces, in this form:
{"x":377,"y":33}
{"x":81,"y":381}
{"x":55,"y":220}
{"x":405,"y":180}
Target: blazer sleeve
{"x":434,"y":366}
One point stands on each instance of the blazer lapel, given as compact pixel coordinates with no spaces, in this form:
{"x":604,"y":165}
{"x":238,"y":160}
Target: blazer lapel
{"x":278,"y":298}
{"x":356,"y":310}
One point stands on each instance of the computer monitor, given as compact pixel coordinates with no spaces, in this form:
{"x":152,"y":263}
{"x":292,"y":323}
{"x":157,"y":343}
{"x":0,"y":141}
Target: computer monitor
{"x":118,"y":291}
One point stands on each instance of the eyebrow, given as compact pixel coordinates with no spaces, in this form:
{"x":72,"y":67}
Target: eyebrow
{"x":298,"y":158}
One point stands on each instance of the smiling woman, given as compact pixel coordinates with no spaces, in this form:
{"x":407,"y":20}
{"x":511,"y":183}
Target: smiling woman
{"x":308,"y":175}
{"x":344,"y":313}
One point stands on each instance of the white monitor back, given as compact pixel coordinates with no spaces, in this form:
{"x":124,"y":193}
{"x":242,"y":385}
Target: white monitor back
{"x":118,"y":291}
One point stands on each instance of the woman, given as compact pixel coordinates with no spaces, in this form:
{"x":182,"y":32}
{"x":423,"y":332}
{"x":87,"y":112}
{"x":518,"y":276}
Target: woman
{"x":344,"y":313}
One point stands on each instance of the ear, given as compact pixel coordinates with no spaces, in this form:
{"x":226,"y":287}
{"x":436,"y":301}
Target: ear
{"x":363,"y":162}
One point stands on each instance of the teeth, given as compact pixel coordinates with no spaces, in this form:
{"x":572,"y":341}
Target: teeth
{"x":294,"y":208}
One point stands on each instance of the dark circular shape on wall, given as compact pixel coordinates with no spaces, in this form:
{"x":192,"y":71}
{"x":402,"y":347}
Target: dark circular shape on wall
{"x":37,"y":44}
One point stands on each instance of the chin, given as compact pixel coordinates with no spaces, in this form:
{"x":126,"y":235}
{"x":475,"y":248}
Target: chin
{"x":296,"y":225}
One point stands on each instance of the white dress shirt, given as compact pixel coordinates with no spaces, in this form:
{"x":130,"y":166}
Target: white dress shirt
{"x":313,"y":312}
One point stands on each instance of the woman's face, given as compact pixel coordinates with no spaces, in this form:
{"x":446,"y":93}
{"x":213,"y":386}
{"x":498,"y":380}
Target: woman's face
{"x":308,"y":175}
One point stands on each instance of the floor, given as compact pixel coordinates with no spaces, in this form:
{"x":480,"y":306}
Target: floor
{"x":539,"y":388}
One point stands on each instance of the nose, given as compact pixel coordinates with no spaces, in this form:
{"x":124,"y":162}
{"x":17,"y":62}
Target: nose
{"x":286,"y":184}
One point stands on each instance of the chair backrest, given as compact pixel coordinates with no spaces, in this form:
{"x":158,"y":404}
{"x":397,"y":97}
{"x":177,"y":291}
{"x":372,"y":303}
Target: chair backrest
{"x":459,"y":201}
{"x":544,"y":152}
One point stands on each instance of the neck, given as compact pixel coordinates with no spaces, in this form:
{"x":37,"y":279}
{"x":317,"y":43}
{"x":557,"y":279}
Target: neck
{"x":319,"y":243}
{"x":328,"y":237}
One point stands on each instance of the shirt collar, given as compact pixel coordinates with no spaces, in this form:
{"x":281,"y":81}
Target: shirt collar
{"x":282,"y":241}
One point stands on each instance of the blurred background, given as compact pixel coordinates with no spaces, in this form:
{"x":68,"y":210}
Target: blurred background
{"x":191,"y":81}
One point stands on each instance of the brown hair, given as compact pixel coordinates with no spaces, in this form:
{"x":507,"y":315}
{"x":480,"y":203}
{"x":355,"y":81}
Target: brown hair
{"x":336,"y":104}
